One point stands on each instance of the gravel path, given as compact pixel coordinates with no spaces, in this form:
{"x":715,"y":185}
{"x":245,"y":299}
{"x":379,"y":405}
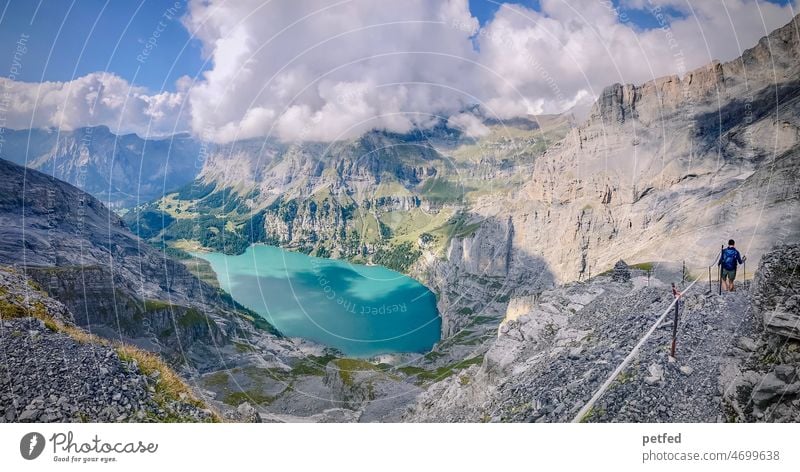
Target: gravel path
{"x":687,"y":389}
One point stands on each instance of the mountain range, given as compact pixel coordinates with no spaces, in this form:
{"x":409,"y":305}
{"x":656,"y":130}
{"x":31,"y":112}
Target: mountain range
{"x":119,"y":170}
{"x":520,"y":231}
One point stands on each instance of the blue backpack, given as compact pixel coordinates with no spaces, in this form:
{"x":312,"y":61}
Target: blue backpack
{"x":729,"y":258}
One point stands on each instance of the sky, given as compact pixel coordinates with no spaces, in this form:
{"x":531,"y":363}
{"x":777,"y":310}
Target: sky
{"x":331,"y":69}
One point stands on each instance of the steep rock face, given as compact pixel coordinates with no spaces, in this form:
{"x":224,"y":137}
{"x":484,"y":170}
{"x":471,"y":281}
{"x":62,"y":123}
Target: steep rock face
{"x":776,"y":291}
{"x":485,"y":252}
{"x":82,"y":254}
{"x":115,"y":311}
{"x":122,"y":170}
{"x":760,"y":381}
{"x":480,"y":272}
{"x":674,"y":166}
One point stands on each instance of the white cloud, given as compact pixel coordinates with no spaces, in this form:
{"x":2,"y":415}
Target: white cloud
{"x":326,"y":70}
{"x":323,"y":70}
{"x":570,"y":49}
{"x":470,"y":124}
{"x":95,"y":99}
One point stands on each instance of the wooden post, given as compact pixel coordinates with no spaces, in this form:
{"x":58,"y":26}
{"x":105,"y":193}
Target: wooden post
{"x":675,"y":321}
{"x":744,"y":275}
{"x":709,"y":280}
{"x":722,"y":248}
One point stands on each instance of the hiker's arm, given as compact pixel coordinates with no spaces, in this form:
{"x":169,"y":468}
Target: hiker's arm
{"x":739,"y":257}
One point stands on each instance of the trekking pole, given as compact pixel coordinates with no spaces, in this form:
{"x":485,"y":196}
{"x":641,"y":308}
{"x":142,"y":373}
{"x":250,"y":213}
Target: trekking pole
{"x":744,"y":276}
{"x":683,"y":273}
{"x":677,"y":296}
{"x":722,"y":248}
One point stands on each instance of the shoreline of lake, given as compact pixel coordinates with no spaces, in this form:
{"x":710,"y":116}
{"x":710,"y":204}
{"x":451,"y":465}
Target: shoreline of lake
{"x":361,"y":310}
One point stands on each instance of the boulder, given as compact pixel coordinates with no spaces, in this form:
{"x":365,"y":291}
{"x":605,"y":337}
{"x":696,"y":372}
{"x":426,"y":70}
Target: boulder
{"x":621,"y":272}
{"x":772,"y":388}
{"x":656,"y":374}
{"x":776,"y":291}
{"x":787,"y":373}
{"x":248,"y":414}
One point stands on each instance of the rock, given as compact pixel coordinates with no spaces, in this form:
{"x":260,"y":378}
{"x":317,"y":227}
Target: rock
{"x":29,"y":415}
{"x":621,"y":272}
{"x":783,"y":323}
{"x":656,"y":374}
{"x":248,"y":414}
{"x":775,"y":291}
{"x":786,"y":373}
{"x":746,"y":344}
{"x":686,"y":370}
{"x":575,"y":353}
{"x":772,"y":388}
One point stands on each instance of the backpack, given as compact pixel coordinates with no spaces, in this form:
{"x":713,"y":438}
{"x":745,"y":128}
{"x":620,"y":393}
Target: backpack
{"x":729,"y":258}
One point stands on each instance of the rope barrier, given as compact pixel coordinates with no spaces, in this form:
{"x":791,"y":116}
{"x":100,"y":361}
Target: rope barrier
{"x":600,"y":391}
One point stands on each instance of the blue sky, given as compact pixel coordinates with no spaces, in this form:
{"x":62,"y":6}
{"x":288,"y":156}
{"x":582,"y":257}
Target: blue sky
{"x":98,"y":35}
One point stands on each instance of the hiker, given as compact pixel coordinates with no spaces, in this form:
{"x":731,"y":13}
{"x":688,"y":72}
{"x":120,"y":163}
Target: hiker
{"x":728,"y":261}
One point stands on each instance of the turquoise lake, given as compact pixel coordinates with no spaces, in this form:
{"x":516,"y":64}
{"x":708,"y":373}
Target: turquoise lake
{"x":360,"y":310}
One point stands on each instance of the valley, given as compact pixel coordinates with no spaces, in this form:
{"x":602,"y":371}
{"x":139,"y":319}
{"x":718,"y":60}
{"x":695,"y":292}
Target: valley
{"x":485,"y":271}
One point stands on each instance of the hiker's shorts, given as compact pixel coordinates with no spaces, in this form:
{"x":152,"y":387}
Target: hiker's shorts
{"x":728,"y":274}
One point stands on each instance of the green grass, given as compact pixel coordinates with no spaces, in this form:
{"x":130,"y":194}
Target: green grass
{"x":156,"y":305}
{"x":643,"y":266}
{"x":348,"y":367}
{"x":253,"y":396}
{"x":411,"y":370}
{"x":433,"y":355}
{"x":440,"y":190}
{"x":441,"y":372}
{"x":391,"y":188}
{"x":458,"y":226}
{"x":592,"y":414}
{"x":217,"y":379}
{"x":408,"y":226}
{"x":192,"y":317}
{"x":312,"y":365}
{"x":170,"y":386}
